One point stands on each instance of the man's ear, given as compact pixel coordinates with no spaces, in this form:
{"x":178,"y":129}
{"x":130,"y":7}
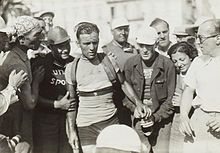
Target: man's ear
{"x":218,"y":39}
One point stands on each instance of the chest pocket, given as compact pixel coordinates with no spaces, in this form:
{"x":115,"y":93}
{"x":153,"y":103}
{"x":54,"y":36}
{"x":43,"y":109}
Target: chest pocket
{"x":161,"y":87}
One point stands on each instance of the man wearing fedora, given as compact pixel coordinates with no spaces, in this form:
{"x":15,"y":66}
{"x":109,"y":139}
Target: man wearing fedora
{"x":50,"y":115}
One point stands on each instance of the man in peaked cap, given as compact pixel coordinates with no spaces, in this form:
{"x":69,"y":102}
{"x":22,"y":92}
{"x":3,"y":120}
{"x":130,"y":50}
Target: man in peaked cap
{"x":123,"y":50}
{"x":119,"y":45}
{"x":18,"y":118}
{"x":152,"y":76}
{"x":53,"y":103}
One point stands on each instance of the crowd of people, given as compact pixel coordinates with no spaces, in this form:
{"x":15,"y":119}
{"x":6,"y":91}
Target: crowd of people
{"x":154,"y":96}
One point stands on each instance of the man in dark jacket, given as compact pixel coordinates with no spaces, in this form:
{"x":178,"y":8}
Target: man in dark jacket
{"x":153,"y":78}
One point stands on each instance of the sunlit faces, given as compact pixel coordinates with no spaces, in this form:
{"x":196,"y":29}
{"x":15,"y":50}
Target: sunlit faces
{"x":120,"y":34}
{"x":32,"y":39}
{"x":146,"y":51}
{"x":181,"y":61}
{"x":163,"y":33}
{"x":89,"y":44}
{"x":61,"y":51}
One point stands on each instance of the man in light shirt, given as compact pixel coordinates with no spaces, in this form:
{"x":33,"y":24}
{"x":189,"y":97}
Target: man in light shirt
{"x":202,"y":131}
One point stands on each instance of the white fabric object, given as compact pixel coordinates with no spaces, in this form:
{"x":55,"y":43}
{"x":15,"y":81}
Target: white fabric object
{"x":119,"y":137}
{"x":119,"y":22}
{"x":147,"y":35}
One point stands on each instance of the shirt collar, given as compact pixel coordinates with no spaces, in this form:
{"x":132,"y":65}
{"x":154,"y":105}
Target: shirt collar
{"x":126,"y":48}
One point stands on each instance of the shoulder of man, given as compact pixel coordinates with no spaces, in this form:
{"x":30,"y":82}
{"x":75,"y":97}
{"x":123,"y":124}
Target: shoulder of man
{"x":70,"y":71}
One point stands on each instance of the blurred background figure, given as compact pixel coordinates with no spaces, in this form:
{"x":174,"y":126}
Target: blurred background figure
{"x":182,"y":35}
{"x":47,"y":16}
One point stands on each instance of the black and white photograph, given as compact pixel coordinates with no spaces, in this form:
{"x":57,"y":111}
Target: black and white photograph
{"x":109,"y":76}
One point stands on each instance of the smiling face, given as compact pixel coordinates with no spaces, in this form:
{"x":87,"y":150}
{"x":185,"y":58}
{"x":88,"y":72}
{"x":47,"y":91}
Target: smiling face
{"x":89,"y":44}
{"x":181,"y":61}
{"x":61,"y":51}
{"x":120,"y":34}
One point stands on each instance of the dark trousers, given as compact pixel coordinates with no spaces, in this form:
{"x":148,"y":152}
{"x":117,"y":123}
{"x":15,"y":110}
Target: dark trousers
{"x":50,"y":133}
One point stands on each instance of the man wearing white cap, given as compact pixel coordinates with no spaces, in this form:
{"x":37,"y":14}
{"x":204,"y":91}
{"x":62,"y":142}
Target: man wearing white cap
{"x":119,"y":45}
{"x":18,"y":119}
{"x":153,"y":79}
{"x":123,"y":50}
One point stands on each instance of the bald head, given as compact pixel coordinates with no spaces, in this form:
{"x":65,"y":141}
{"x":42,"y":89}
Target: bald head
{"x":209,"y":27}
{"x":209,"y":37}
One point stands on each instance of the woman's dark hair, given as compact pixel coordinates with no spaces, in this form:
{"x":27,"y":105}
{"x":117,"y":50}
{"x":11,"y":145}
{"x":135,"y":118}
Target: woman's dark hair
{"x":183,"y":47}
{"x":85,"y":28}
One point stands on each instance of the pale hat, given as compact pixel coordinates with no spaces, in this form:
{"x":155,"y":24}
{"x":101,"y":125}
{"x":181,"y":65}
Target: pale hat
{"x":25,"y":24}
{"x":180,"y":30}
{"x":146,"y":35}
{"x":119,"y":137}
{"x":43,"y":13}
{"x":192,"y":28}
{"x":119,"y":22}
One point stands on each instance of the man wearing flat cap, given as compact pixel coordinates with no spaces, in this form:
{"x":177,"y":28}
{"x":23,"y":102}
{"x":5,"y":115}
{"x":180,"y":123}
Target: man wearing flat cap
{"x":152,"y":76}
{"x":53,"y":102}
{"x":18,"y":118}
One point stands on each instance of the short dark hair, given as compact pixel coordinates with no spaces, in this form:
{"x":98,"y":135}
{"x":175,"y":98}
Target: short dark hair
{"x":85,"y":28}
{"x":156,"y":21}
{"x":183,"y":47}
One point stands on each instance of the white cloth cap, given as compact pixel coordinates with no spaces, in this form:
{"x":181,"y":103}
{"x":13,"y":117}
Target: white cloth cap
{"x":119,"y":137}
{"x":146,"y":35}
{"x":119,"y":22}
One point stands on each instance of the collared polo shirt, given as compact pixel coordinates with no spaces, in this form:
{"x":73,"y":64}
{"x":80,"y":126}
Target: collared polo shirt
{"x":204,"y":76}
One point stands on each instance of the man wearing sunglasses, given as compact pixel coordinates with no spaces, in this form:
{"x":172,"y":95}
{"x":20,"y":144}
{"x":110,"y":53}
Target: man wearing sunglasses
{"x":202,"y":130}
